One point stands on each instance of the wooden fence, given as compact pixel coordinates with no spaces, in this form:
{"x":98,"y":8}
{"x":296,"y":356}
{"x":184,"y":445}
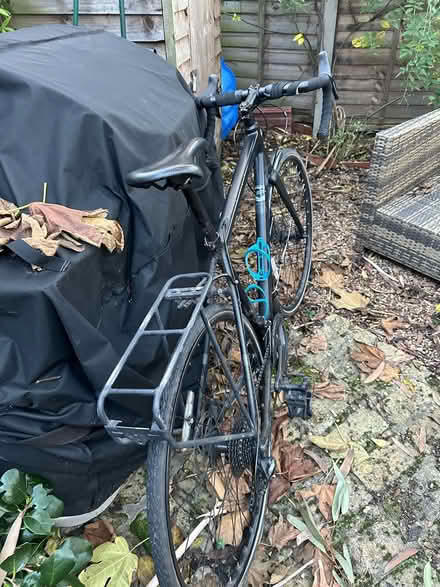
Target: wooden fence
{"x":186,"y":32}
{"x":261,"y":46}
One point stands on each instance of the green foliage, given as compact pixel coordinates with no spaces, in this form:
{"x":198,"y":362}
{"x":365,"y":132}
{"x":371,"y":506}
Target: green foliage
{"x":418,"y":23}
{"x":5,"y":18}
{"x":51,"y":560}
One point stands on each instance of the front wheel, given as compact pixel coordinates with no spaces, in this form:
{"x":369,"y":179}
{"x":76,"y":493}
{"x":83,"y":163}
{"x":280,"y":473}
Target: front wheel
{"x":290,"y":229}
{"x":206,"y":503}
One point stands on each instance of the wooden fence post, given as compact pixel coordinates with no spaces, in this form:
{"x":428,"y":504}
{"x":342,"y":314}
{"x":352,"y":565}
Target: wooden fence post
{"x":328,"y":35}
{"x":170,"y":38}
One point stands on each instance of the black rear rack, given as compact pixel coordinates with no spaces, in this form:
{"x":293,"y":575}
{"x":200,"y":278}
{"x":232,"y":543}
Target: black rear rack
{"x":184,"y":297}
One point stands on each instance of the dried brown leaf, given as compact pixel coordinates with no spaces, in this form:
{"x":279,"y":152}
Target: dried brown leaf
{"x":231,"y":527}
{"x":345,"y":468}
{"x":294,"y":463}
{"x":11,"y":542}
{"x":367,"y":355}
{"x":279,"y":574}
{"x":99,"y":532}
{"x":334,"y":391}
{"x":331,"y":278}
{"x":259,"y":574}
{"x":314,"y":344}
{"x":279,"y":486}
{"x":376,"y":374}
{"x":349,"y":300}
{"x":392,"y":323}
{"x":399,"y":558}
{"x":322,"y":464}
{"x":281,"y":534}
{"x":389,"y":373}
{"x":324,"y":494}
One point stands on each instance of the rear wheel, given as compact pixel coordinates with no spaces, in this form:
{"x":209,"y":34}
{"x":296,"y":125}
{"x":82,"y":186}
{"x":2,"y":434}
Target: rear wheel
{"x":290,"y":230}
{"x":208,"y":502}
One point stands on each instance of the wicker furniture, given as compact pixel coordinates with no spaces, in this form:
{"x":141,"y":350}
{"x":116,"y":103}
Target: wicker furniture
{"x":400,"y":218}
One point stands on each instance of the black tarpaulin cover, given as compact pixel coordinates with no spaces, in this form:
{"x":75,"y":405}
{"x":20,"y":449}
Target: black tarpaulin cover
{"x":80,"y":109}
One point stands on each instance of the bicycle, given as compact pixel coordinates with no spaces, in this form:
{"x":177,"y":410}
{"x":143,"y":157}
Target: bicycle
{"x":209,"y":458}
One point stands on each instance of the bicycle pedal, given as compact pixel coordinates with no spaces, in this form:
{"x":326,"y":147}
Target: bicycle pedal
{"x":298,"y":397}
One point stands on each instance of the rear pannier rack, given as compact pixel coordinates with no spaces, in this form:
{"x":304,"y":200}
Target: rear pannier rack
{"x":184,"y":297}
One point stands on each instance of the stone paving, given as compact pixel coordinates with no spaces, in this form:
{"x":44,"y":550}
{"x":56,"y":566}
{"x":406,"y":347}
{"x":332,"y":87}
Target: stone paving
{"x":395,"y":494}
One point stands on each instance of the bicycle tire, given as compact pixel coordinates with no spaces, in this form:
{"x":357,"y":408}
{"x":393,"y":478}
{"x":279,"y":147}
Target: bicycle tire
{"x":291,"y":252}
{"x":163,"y":479}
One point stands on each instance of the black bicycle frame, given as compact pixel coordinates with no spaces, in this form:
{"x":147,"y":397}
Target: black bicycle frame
{"x":252,"y":158}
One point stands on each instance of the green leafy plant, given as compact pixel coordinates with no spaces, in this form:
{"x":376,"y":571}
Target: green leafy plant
{"x":418,"y":25}
{"x":33,"y":553}
{"x":5,"y":18}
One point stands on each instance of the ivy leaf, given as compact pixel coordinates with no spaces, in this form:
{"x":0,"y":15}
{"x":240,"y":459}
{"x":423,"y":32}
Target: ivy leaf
{"x":33,"y":480}
{"x":115,"y":565}
{"x":32,"y":580}
{"x":13,"y":487}
{"x":58,"y":566}
{"x":43,"y":501}
{"x":82,"y":550}
{"x":39,"y":522}
{"x":22,"y":555}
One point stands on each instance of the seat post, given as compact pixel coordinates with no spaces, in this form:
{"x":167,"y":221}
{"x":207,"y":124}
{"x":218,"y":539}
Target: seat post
{"x":200,"y":212}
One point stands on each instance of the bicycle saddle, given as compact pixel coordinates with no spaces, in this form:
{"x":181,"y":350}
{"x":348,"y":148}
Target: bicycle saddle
{"x":176,"y":168}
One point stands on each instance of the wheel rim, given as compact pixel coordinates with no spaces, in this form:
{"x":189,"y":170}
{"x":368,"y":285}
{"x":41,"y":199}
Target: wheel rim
{"x":291,"y":251}
{"x":222,"y":481}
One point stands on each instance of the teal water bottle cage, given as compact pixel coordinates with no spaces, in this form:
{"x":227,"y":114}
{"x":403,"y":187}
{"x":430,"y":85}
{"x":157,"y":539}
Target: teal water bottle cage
{"x":262,"y":251}
{"x":262,"y":300}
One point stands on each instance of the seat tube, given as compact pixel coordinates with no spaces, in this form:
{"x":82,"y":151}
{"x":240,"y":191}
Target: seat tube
{"x":261,"y":216}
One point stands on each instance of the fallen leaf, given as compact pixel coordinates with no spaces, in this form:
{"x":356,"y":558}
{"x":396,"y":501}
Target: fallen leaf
{"x":11,"y":542}
{"x":114,"y":565}
{"x":279,"y":486}
{"x":349,"y":300}
{"x":322,"y":464}
{"x":294,"y":464}
{"x":324,"y":494}
{"x":314,"y":344}
{"x":323,"y":570}
{"x":331,"y":278}
{"x":145,"y":569}
{"x":391,"y":324}
{"x":380,"y":442}
{"x":231,"y":527}
{"x":389,"y":373}
{"x":259,"y":574}
{"x":282,"y":533}
{"x":279,"y":574}
{"x":399,"y":558}
{"x":334,"y":391}
{"x":348,"y":462}
{"x":330,"y":443}
{"x":368,"y":355}
{"x":99,"y":532}
{"x":376,"y":373}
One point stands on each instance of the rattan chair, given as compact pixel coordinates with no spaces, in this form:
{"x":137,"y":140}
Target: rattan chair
{"x":400,"y":217}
